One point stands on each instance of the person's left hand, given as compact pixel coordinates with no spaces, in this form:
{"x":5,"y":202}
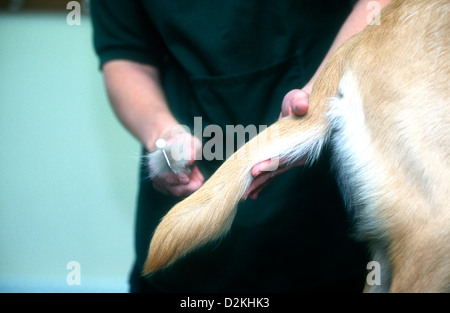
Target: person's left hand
{"x":295,"y":102}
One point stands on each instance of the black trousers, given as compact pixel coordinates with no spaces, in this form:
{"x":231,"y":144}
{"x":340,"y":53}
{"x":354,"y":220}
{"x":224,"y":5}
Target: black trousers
{"x":139,"y":284}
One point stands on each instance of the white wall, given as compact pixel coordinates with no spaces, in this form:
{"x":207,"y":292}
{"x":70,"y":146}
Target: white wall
{"x":68,"y":170}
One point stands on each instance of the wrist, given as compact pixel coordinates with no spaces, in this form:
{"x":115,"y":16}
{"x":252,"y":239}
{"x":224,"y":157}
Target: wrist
{"x":162,"y":128}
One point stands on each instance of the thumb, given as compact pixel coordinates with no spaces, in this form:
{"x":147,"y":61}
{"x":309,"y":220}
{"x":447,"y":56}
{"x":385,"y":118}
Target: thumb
{"x":295,"y":102}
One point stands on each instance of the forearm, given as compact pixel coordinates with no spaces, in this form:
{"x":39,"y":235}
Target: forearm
{"x":355,"y":22}
{"x":138,"y":100}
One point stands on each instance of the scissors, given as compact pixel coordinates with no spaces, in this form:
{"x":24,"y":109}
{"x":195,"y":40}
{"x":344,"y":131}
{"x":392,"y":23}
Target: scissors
{"x":161,"y":144}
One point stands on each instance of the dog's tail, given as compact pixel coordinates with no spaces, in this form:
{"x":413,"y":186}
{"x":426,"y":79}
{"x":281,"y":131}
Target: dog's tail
{"x":209,"y":212}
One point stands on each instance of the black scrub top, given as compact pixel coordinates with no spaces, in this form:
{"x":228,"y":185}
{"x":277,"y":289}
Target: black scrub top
{"x":231,"y":62}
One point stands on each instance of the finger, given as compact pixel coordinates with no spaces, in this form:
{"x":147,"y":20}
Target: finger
{"x":180,"y":188}
{"x":171,"y":179}
{"x":300,"y":102}
{"x":196,"y":175}
{"x":295,"y":102}
{"x":260,"y":167}
{"x":185,"y":190}
{"x":286,"y":108}
{"x":167,"y":179}
{"x":257,"y":182}
{"x":264,"y":178}
{"x":254,"y":194}
{"x":183,"y":179}
{"x":260,"y":174}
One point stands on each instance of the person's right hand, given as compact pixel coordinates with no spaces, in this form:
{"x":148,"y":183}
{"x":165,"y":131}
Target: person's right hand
{"x":187,"y":182}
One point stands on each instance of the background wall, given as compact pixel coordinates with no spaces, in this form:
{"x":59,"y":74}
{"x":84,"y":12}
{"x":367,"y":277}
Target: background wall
{"x":68,"y":170}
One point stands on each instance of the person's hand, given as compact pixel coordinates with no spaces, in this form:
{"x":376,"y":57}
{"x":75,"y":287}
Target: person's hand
{"x":187,"y":182}
{"x":295,"y":102}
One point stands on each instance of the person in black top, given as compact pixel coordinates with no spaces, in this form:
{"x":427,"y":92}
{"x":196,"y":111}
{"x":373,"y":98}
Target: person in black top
{"x":232,"y":63}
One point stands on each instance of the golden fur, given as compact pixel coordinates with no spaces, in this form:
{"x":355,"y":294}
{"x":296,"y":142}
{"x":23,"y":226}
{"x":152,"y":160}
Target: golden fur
{"x":399,"y":183}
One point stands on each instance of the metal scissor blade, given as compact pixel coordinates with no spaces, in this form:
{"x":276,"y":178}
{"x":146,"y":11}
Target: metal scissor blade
{"x":161,"y":145}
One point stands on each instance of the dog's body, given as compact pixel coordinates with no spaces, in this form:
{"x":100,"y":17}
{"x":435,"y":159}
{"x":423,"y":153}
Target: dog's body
{"x":388,"y":121}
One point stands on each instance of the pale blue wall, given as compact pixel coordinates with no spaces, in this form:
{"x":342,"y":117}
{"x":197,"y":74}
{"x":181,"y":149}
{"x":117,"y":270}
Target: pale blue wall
{"x":68,"y":170}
